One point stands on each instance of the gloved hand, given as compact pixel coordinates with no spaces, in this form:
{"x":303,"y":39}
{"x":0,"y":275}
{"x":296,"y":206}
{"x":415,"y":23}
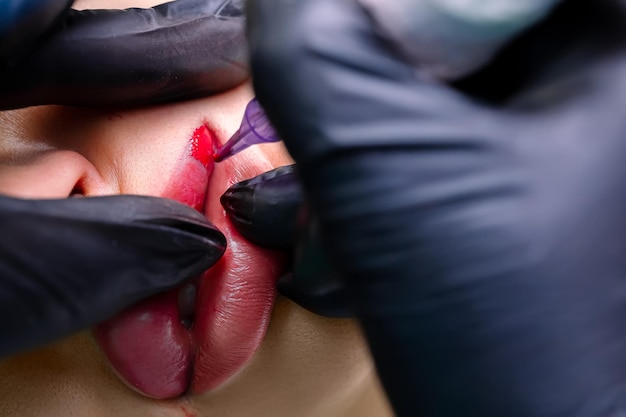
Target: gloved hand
{"x":480,"y":242}
{"x":68,"y":264}
{"x":269,"y":210}
{"x":179,"y":50}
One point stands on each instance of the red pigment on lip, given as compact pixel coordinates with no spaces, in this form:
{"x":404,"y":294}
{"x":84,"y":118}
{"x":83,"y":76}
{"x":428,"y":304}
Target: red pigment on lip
{"x":189,"y":184}
{"x":201,"y":144}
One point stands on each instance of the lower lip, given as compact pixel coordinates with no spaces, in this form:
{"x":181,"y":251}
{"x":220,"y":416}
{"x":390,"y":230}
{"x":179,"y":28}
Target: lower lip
{"x":149,"y":347}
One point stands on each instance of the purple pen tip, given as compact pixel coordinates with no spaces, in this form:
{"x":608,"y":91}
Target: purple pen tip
{"x":255,"y":129}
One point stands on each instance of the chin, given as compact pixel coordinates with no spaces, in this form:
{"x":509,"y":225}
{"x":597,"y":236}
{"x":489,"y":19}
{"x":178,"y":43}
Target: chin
{"x":305,"y":366}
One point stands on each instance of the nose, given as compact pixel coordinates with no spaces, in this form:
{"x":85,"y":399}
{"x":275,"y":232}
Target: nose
{"x":52,"y":174}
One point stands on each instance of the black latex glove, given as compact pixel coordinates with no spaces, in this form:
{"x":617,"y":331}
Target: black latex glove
{"x":269,"y":210}
{"x":481,"y":243}
{"x":68,"y":264}
{"x":178,"y":50}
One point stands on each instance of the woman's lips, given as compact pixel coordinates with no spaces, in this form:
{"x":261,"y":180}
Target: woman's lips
{"x":160,"y":347}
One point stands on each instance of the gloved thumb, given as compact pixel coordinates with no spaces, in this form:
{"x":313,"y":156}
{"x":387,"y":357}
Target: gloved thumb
{"x":68,"y":264}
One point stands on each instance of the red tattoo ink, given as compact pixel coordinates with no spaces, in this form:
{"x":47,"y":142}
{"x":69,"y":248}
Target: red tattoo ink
{"x":201,"y":140}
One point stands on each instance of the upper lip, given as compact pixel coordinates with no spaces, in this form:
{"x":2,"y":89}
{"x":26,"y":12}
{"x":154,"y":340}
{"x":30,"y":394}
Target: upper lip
{"x":232,"y":310}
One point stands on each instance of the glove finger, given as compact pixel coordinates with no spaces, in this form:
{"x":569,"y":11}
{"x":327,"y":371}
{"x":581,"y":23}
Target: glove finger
{"x":23,"y":21}
{"x":68,"y":264}
{"x":178,"y":50}
{"x":264,"y":209}
{"x":314,"y":283}
{"x":332,"y":302}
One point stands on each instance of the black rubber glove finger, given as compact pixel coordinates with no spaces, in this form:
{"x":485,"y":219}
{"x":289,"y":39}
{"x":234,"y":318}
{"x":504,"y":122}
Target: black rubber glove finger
{"x":22,"y":22}
{"x":314,"y":282}
{"x":265,"y":209}
{"x":269,"y":210}
{"x":68,"y":264}
{"x":178,"y":50}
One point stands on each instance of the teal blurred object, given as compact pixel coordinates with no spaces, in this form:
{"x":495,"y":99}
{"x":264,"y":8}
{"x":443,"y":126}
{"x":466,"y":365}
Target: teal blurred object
{"x":449,"y":39}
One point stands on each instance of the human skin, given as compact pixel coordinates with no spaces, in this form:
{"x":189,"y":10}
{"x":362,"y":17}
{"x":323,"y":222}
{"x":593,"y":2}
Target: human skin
{"x":306,"y":365}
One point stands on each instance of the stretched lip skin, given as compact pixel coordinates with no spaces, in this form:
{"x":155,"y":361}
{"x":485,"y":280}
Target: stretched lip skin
{"x":148,"y":346}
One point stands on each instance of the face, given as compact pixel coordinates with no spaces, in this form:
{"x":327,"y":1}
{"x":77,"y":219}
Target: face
{"x":280,"y":359}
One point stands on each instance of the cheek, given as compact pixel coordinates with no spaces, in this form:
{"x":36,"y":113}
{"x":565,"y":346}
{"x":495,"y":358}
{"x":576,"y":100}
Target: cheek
{"x":140,"y":152}
{"x":140,"y":162}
